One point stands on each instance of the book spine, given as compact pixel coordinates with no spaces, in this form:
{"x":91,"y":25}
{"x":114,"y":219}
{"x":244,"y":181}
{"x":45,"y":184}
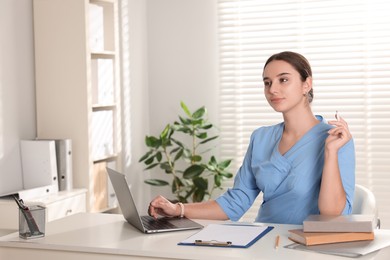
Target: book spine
{"x":337,"y":227}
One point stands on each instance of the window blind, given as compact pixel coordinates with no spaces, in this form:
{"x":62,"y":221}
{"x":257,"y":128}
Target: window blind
{"x":348,"y":46}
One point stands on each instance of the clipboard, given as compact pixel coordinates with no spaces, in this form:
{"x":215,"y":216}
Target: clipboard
{"x":227,"y":235}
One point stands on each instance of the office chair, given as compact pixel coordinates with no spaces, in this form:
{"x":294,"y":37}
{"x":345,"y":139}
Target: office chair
{"x":364,"y":202}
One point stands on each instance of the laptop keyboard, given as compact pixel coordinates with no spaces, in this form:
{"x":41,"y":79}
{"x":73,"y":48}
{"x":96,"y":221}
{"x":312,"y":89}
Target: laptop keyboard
{"x":153,"y":224}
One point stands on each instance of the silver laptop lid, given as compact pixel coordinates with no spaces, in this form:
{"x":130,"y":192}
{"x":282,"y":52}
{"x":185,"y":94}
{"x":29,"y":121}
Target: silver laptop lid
{"x":125,"y":199}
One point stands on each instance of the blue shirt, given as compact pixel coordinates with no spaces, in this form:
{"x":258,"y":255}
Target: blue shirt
{"x":291,"y":182}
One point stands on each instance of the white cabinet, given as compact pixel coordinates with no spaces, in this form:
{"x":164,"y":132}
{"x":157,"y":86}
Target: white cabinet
{"x":64,"y":203}
{"x":59,"y":205}
{"x":78,"y":87}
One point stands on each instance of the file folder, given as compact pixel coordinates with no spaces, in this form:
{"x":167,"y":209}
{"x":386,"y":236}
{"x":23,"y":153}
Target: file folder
{"x":227,"y":235}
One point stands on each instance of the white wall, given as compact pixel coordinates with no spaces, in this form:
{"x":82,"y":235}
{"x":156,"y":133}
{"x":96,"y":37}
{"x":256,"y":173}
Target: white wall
{"x":182,"y":57}
{"x":135,"y":82}
{"x":17,"y":91}
{"x":182,"y":49}
{"x":173,"y":58}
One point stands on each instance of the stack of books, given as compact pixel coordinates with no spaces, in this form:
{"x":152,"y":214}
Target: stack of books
{"x":320,"y":229}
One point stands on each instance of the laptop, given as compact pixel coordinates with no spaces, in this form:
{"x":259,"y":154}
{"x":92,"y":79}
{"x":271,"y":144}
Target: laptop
{"x":145,"y":224}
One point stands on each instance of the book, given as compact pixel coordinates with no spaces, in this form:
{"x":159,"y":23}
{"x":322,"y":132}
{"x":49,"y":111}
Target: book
{"x":319,"y":238}
{"x":341,"y":223}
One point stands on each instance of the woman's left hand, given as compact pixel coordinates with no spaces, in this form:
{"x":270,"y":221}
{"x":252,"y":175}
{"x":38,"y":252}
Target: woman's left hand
{"x":339,"y":135}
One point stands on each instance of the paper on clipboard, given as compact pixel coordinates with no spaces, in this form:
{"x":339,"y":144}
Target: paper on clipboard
{"x":233,"y":235}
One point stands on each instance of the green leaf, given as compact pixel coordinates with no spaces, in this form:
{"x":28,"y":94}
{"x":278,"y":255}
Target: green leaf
{"x":166,"y":132}
{"x":187,"y":153}
{"x":177,"y":142}
{"x":210,"y":167}
{"x":156,"y":182}
{"x":166,"y":142}
{"x":152,"y":141}
{"x":217,"y":180}
{"x":158,"y":156}
{"x":193,"y":171}
{"x":149,"y":161}
{"x":151,"y":166}
{"x":208,"y":126}
{"x":176,"y":183}
{"x":209,"y":139}
{"x":165,"y":166}
{"x":185,"y":108}
{"x":224,"y":164}
{"x":227,"y":175}
{"x":176,"y":126}
{"x":184,"y":129}
{"x":213,"y":161}
{"x":145,"y":156}
{"x":202,"y":135}
{"x":198,"y":195}
{"x":196,"y":158}
{"x":185,"y":121}
{"x":201,"y":183}
{"x":199,"y":113}
{"x":197,"y":122}
{"x":175,"y":150}
{"x":178,"y":155}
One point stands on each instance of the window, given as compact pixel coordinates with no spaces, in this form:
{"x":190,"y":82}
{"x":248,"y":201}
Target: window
{"x":348,"y":46}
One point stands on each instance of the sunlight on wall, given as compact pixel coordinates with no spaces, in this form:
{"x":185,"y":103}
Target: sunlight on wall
{"x":1,"y":120}
{"x":125,"y":77}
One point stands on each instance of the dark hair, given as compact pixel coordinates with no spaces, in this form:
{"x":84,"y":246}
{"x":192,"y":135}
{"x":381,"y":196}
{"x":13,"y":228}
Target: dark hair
{"x":299,"y":62}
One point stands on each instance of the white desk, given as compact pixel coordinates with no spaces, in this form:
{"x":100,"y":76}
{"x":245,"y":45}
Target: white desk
{"x":107,"y":236}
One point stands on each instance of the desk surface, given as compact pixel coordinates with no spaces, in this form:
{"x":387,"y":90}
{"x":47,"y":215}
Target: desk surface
{"x":108,"y":236}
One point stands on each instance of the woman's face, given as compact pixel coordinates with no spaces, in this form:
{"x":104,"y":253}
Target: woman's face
{"x":283,"y":87}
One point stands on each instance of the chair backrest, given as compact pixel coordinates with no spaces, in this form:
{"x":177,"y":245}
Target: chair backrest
{"x":364,"y":202}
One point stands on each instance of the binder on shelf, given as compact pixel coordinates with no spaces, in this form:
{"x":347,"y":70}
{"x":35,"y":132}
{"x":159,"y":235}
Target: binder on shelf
{"x":102,"y":134}
{"x":64,"y":164}
{"x":39,"y":165}
{"x":96,"y":27}
{"x":228,"y":235}
{"x":102,"y":80}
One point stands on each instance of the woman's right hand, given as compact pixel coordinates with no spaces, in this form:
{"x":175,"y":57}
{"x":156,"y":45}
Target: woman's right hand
{"x":338,"y":135}
{"x":162,"y":206}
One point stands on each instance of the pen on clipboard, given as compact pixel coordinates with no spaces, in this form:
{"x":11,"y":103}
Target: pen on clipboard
{"x":277,"y":240}
{"x":337,"y":116}
{"x":199,"y":242}
{"x":32,"y":225}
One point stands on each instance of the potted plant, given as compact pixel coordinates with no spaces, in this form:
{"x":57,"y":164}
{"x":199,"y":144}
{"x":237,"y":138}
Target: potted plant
{"x":193,"y":177}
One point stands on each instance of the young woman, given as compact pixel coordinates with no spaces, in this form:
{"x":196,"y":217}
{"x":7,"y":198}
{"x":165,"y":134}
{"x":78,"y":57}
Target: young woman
{"x":303,"y":165}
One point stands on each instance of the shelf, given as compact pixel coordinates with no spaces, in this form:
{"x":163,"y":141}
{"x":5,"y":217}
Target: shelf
{"x":106,"y":158}
{"x":102,"y":107}
{"x":101,"y":1}
{"x":102,"y":54}
{"x":89,"y":69}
